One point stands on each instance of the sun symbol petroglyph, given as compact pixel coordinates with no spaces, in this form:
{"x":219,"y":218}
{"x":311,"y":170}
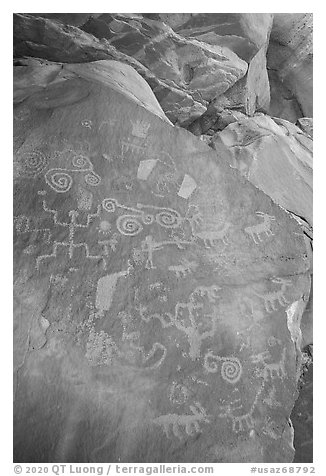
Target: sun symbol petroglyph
{"x":72,"y":226}
{"x":189,"y":423}
{"x":105,"y":227}
{"x":255,"y":231}
{"x":231,"y":368}
{"x":270,"y":371}
{"x":272,"y":298}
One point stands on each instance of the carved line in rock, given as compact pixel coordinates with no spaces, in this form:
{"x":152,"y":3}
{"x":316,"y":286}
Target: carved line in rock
{"x":61,"y":181}
{"x":272,"y":298}
{"x":33,"y":163}
{"x":241,"y":422}
{"x":231,"y":368}
{"x":189,"y":422}
{"x":194,"y":336}
{"x":255,"y":231}
{"x":72,"y":226}
{"x":131,"y":224}
{"x":272,"y":370}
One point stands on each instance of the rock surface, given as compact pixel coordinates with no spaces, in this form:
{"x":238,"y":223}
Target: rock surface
{"x":157,"y":311}
{"x":290,"y":54}
{"x":276,"y":156}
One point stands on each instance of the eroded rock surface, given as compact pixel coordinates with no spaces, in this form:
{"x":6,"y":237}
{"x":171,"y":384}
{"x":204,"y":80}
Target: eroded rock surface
{"x":153,"y":285}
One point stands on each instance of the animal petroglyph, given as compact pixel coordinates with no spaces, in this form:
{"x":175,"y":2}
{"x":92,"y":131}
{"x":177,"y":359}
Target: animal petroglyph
{"x":105,"y":290}
{"x":270,"y":299}
{"x":272,"y":370}
{"x":187,"y":187}
{"x":149,"y":246}
{"x":60,"y":180}
{"x":72,"y":226}
{"x":255,"y":231}
{"x":210,"y":237}
{"x":182,"y":270}
{"x":231,"y":368}
{"x":241,"y":422}
{"x":189,"y":423}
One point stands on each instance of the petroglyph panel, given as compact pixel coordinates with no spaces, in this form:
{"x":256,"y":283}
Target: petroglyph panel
{"x":164,"y":277}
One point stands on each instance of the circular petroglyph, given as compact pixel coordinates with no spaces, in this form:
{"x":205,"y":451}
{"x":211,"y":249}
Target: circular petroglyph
{"x":105,"y":226}
{"x":109,"y":204}
{"x":92,"y":179}
{"x":231,"y":370}
{"x":33,"y":163}
{"x":129,"y":225}
{"x":81,"y":162}
{"x":168,"y":218}
{"x":59,"y":181}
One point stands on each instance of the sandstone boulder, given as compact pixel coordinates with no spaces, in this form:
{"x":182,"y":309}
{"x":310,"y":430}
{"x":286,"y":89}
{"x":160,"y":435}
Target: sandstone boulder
{"x":158,"y":293}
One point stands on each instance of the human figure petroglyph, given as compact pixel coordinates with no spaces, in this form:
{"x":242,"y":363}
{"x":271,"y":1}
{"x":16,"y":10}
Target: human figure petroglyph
{"x":72,"y":226}
{"x":231,"y":368}
{"x":190,"y":423}
{"x":255,"y":231}
{"x":272,"y":370}
{"x":270,"y":299}
{"x":183,"y":269}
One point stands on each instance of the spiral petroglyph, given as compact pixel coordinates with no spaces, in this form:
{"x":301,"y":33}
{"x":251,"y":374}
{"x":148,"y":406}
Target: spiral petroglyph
{"x":58,"y":180}
{"x":129,"y":225}
{"x":33,"y":163}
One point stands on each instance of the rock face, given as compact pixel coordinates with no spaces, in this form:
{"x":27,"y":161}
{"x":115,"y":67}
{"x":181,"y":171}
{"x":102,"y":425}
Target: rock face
{"x":158,"y":293}
{"x":276,"y":156}
{"x":290,"y":54}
